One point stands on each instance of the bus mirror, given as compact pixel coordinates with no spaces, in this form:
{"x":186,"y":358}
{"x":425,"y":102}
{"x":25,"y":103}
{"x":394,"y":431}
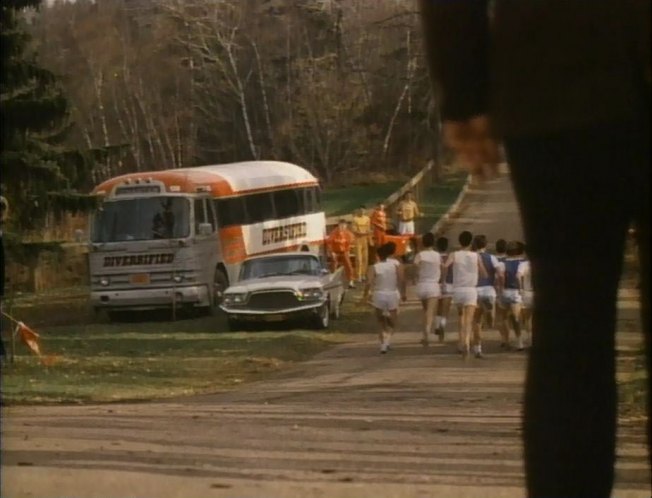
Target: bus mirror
{"x":204,"y":229}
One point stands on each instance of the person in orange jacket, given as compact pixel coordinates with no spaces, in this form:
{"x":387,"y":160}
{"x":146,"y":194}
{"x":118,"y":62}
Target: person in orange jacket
{"x":379,"y":225}
{"x":339,"y":244}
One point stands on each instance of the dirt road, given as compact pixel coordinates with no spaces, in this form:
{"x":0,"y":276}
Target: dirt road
{"x":416,"y":422}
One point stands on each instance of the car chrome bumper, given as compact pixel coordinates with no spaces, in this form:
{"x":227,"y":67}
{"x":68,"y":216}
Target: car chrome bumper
{"x":196,"y":295}
{"x":236,"y":312}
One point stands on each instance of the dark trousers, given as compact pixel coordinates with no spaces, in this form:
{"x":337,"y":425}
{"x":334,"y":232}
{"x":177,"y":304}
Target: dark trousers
{"x":578,"y":193}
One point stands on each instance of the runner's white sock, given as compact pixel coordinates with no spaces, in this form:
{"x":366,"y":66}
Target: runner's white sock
{"x":437,"y":321}
{"x":443,"y":321}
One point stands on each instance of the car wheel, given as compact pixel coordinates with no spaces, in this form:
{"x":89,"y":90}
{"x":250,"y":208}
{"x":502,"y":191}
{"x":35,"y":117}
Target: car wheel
{"x":235,"y":325}
{"x":322,"y":320}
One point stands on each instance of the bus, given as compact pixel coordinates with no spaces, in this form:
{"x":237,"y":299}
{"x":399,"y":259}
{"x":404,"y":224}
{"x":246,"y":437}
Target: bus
{"x":177,"y":238}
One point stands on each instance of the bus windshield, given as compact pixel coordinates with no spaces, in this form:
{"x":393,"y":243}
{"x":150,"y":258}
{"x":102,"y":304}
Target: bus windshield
{"x":142,"y":219}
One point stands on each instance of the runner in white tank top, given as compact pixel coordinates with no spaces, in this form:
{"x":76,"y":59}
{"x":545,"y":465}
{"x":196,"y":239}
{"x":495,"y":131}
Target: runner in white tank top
{"x":467,"y":266}
{"x":428,"y":263}
{"x":524,"y":275}
{"x":444,"y":301}
{"x":387,"y":281}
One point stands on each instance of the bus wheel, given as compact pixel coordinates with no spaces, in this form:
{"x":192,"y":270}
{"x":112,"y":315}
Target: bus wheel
{"x":323,"y":318}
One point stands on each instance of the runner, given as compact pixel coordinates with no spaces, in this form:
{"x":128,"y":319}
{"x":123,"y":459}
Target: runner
{"x":510,"y":297}
{"x":444,"y":305}
{"x":387,"y":281}
{"x":485,"y":312}
{"x":467,"y":266}
{"x":499,"y":317}
{"x":501,"y":247}
{"x":428,"y":265}
{"x":525,"y":279}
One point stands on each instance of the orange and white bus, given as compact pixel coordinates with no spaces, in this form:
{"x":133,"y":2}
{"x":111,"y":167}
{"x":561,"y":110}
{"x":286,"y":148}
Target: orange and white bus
{"x":178,"y":237}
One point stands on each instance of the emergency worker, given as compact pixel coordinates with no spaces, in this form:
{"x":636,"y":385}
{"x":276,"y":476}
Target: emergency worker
{"x":378,"y":225}
{"x":361,"y":228}
{"x":339,"y":244}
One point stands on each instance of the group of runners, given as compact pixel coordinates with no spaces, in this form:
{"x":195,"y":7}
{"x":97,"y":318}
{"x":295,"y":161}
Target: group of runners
{"x":487,"y":290}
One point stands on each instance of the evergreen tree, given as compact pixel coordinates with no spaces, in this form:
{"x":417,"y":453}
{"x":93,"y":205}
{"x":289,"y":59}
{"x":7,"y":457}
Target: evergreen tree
{"x":39,"y":173}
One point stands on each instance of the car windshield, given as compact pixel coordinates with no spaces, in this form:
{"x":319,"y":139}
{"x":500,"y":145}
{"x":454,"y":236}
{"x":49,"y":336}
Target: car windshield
{"x":282,"y":265}
{"x":142,"y":219}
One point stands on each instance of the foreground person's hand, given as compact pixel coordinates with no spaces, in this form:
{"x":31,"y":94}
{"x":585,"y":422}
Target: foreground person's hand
{"x":474,"y":146}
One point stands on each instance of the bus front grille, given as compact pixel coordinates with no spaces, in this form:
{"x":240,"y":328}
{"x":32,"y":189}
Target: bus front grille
{"x":274,"y":300}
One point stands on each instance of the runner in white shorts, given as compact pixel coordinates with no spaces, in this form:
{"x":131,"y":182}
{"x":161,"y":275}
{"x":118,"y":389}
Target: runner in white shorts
{"x":428,"y":264}
{"x":467,"y":266}
{"x":444,"y":304}
{"x":486,"y":287}
{"x":525,"y":280}
{"x":387,"y":281}
{"x":510,"y":297}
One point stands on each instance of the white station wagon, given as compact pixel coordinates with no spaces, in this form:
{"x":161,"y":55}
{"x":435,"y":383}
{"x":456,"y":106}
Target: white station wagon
{"x":284,"y":286}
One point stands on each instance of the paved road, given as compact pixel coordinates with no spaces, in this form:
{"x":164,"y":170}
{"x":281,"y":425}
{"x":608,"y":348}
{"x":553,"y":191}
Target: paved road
{"x":350,"y":423}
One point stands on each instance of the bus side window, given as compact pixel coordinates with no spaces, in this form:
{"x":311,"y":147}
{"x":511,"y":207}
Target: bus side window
{"x":312,"y":199}
{"x":311,"y":195}
{"x":287,"y":203}
{"x":231,"y":211}
{"x":317,"y":197}
{"x":259,"y":207}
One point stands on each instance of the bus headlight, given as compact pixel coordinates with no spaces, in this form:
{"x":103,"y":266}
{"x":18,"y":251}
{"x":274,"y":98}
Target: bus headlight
{"x":310,"y":294}
{"x":104,"y":281}
{"x":234,"y":298}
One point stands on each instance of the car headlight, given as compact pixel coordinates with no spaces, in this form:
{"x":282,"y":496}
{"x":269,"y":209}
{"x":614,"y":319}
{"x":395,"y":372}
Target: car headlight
{"x":104,"y":281}
{"x":177,"y":278}
{"x":235,"y":298}
{"x":310,"y":294}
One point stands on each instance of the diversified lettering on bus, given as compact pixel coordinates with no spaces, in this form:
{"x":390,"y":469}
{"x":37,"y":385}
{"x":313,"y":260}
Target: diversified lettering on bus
{"x":285,"y":232}
{"x":140,"y":259}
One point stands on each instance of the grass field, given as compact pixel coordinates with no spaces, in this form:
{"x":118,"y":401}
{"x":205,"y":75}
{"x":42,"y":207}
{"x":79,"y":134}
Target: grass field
{"x":338,"y":201}
{"x":103,"y":362}
{"x":438,"y":199}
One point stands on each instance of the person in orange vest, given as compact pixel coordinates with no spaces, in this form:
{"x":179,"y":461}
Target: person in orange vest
{"x":339,"y":244}
{"x":379,"y":225}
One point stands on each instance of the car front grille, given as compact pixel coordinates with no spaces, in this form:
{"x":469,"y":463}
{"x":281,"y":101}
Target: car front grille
{"x":274,"y":300}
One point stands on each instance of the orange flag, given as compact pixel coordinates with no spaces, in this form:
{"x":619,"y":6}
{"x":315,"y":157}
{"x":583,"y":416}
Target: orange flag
{"x":29,"y":337}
